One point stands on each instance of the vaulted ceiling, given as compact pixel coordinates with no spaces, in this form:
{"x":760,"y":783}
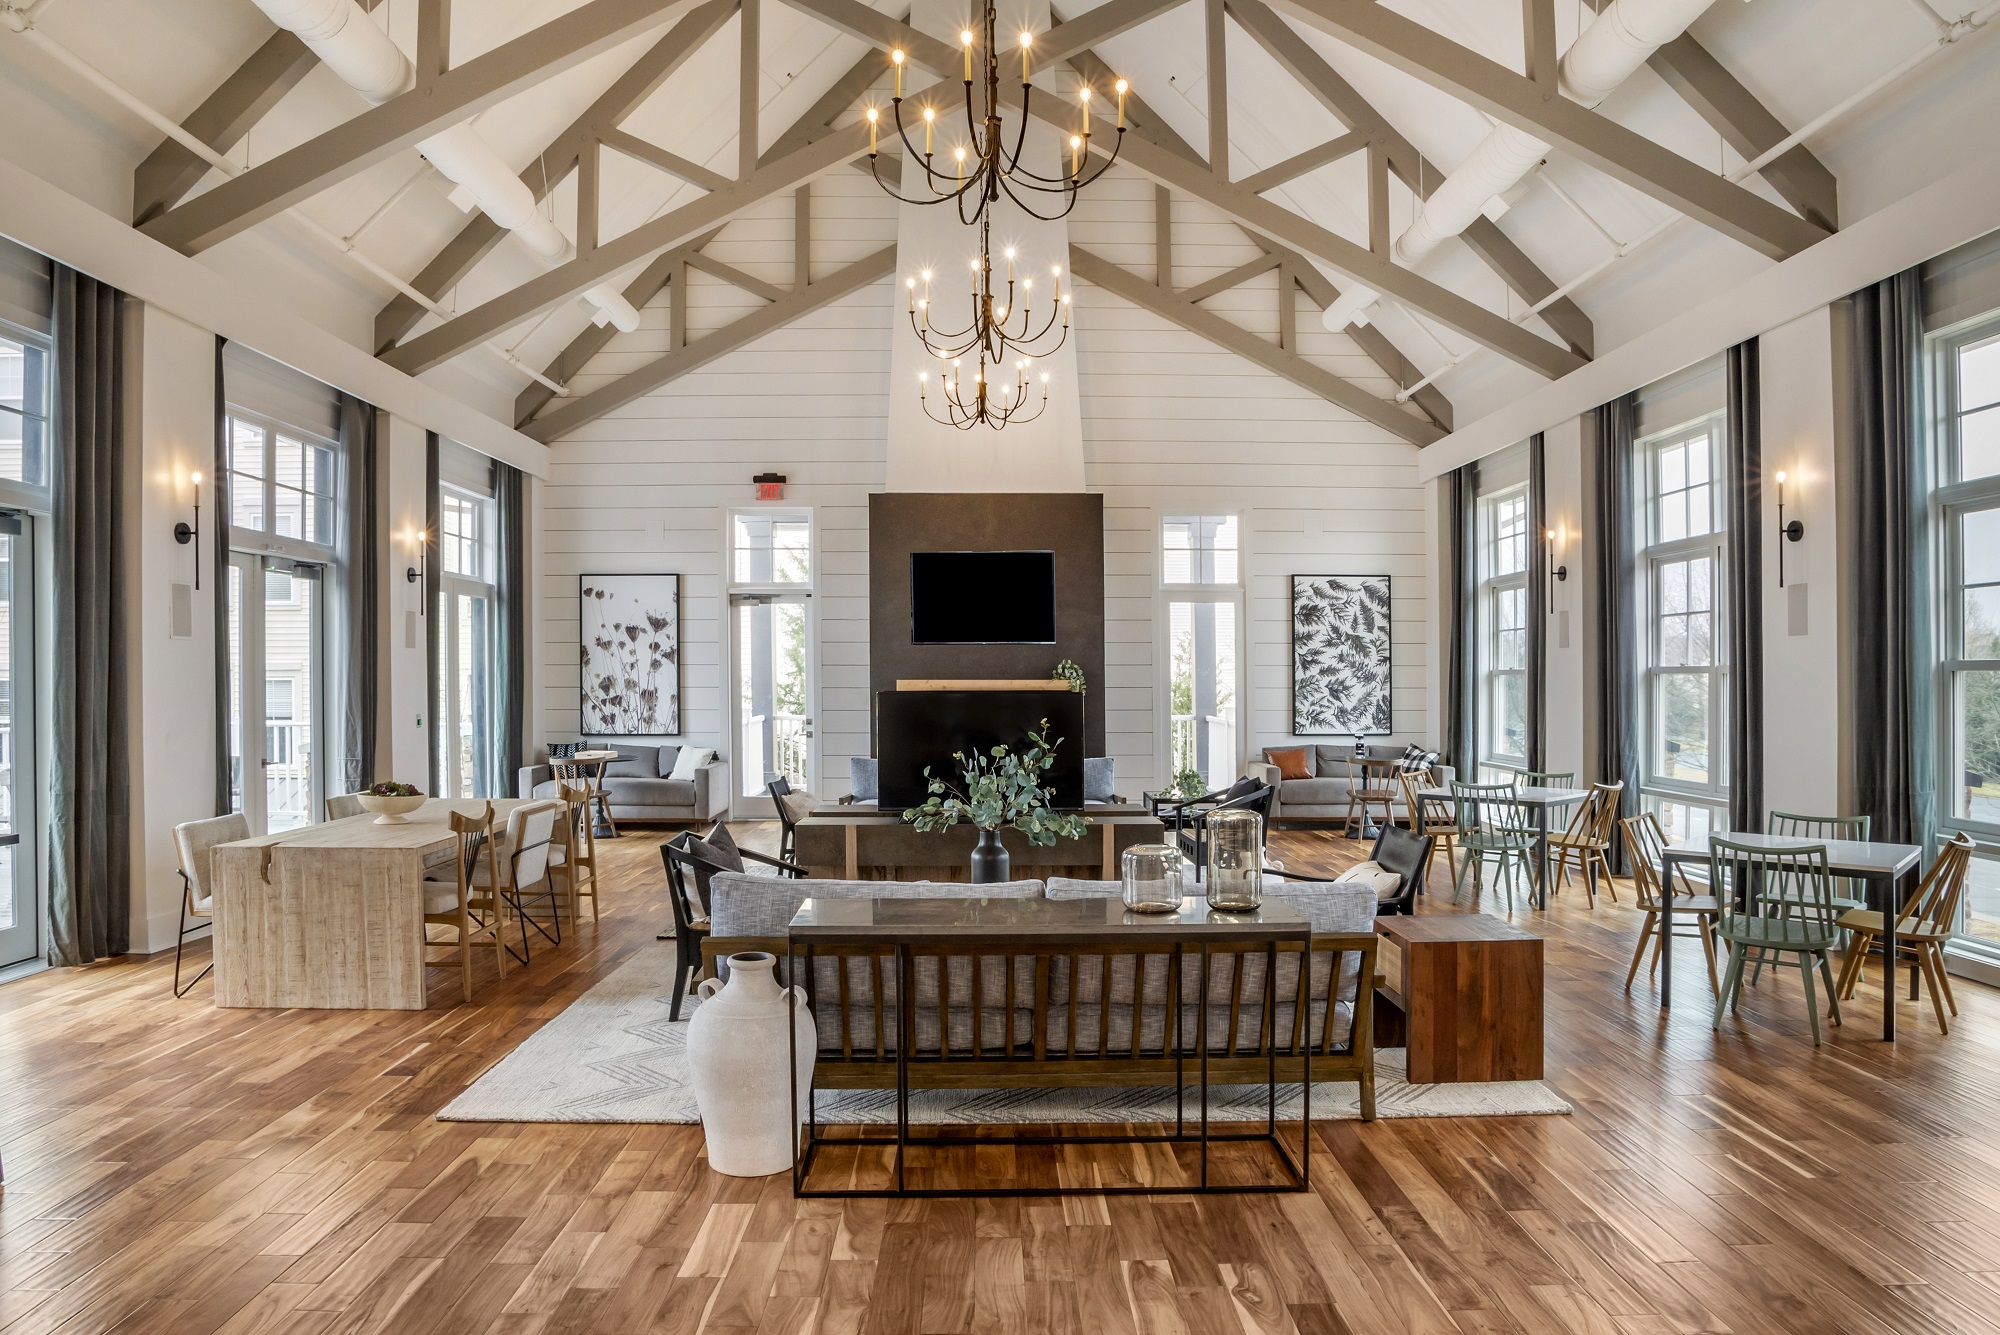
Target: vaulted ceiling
{"x":1315,"y":128}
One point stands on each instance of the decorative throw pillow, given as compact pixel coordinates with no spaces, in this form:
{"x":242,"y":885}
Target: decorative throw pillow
{"x":798,"y":804}
{"x":563,"y":750}
{"x":690,"y":760}
{"x":1416,"y":758}
{"x":863,"y":774}
{"x":719,"y":848}
{"x":669,"y":755}
{"x":1293,"y":762}
{"x":1385,"y":883}
{"x":1243,"y":787}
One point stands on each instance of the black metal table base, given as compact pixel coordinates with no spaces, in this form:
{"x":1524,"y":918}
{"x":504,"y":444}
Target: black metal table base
{"x":1297,"y":1169}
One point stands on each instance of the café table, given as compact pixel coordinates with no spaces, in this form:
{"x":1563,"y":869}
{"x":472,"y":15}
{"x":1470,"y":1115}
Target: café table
{"x":589,"y":768}
{"x":1882,"y":867}
{"x":1539,"y":801}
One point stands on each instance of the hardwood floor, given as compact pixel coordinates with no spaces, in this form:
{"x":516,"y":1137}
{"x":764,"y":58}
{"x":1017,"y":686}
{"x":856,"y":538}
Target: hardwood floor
{"x":174,"y":1167}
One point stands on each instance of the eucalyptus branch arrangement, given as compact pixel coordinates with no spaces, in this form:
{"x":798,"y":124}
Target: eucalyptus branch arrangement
{"x":1000,"y":789}
{"x":1071,"y":673}
{"x":1189,"y":783}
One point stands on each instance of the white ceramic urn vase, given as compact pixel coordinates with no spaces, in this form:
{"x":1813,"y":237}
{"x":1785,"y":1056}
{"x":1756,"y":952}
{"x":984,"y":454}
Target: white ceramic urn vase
{"x":738,"y":1057}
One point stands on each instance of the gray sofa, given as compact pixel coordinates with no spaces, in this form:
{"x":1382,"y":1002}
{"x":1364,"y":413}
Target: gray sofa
{"x":637,"y":788}
{"x":1324,"y":795}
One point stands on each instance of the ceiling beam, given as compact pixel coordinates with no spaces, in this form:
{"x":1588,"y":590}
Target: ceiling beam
{"x":791,"y":306}
{"x":736,"y":277}
{"x":1170,"y":306}
{"x":1101,"y":24}
{"x":538,"y":294}
{"x":569,"y":363}
{"x":1275,"y":175}
{"x":1236,"y":277}
{"x":885,"y":31}
{"x":480,"y":234}
{"x":673,"y":164}
{"x":1341,"y":98}
{"x":221,"y":121}
{"x":1734,"y":112}
{"x":1619,"y":153}
{"x":381,"y":132}
{"x":1215,"y":48}
{"x":1360,"y":264}
{"x":1371,"y":340}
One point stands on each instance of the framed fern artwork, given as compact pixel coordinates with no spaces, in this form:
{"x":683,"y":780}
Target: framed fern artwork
{"x":1340,"y":655}
{"x":629,"y":636}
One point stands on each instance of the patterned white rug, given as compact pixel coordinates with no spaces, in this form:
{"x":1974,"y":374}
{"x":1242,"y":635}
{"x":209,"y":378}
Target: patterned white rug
{"x":613,"y":1056}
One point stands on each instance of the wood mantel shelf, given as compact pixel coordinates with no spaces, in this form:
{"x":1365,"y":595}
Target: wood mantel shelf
{"x":981,"y":684}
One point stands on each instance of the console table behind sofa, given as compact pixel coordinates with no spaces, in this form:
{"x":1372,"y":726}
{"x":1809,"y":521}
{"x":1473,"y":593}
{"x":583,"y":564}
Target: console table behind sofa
{"x":1060,"y":1016}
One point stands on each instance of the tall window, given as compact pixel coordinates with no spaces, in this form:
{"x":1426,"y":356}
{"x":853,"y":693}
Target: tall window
{"x":24,"y":407}
{"x":1503,"y":619}
{"x":25,"y":392}
{"x":770,"y":595}
{"x":467,"y":636}
{"x":1967,"y":368}
{"x":1200,"y":571}
{"x":1686,"y":679}
{"x":283,"y":488}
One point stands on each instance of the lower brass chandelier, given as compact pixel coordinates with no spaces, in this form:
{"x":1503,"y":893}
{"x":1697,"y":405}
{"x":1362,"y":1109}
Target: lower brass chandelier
{"x":1000,"y":330}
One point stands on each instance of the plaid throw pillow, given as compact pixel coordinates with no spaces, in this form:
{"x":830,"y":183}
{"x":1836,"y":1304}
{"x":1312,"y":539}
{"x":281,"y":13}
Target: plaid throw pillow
{"x":1416,"y":758}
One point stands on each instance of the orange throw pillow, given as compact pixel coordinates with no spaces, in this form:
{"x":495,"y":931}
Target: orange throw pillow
{"x":1291,"y":764}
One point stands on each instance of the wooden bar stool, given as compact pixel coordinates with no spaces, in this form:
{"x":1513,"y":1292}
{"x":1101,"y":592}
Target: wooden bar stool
{"x":468,"y":903}
{"x":574,"y":857}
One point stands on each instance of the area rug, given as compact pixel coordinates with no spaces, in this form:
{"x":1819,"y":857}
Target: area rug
{"x":613,"y":1056}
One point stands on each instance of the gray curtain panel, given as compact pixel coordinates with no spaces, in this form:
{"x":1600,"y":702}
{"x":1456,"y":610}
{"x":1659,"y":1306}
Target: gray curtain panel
{"x":1537,"y":666}
{"x":1461,"y":722}
{"x":1895,"y":752}
{"x":511,"y":686}
{"x":218,"y":525}
{"x":353,"y":631}
{"x":434,"y":642}
{"x":1617,"y":682}
{"x":90,"y":870}
{"x":1743,"y":498}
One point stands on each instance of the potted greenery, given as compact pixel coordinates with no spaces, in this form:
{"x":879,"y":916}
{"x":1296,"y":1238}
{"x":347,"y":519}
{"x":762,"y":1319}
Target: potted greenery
{"x":1001,"y":789}
{"x":391,"y":802}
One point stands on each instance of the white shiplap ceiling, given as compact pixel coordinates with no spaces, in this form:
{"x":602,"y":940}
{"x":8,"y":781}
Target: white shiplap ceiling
{"x":1797,"y":56}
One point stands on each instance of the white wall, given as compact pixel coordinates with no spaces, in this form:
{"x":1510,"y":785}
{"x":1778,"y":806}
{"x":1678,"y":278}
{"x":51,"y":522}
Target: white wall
{"x":402,"y":741}
{"x":174,"y":725}
{"x":1802,"y":760}
{"x":1563,"y":733}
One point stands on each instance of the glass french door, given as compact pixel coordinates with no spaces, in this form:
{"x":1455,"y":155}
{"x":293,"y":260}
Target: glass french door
{"x":464,"y":707}
{"x":275,"y":691}
{"x":1201,"y":688}
{"x":20,"y":899}
{"x":772,"y":651}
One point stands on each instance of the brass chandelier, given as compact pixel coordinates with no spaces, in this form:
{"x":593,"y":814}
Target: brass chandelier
{"x":1002,"y":335}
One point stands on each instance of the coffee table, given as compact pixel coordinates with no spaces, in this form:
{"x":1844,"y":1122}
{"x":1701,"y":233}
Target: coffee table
{"x":1011,"y":927}
{"x":1465,"y":995}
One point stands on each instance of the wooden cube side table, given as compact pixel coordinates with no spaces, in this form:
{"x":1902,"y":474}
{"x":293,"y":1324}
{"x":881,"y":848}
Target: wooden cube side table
{"x":1464,"y":994}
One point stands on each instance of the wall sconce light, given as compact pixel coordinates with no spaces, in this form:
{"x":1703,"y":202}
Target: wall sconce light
{"x":185,"y":533}
{"x":1556,"y":572}
{"x":422,"y":537}
{"x":1791,"y":532}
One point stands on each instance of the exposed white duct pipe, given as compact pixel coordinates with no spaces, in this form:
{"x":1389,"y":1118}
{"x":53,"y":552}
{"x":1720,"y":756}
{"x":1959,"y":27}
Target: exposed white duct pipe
{"x":349,"y":43}
{"x":22,"y":22}
{"x":1603,"y":56}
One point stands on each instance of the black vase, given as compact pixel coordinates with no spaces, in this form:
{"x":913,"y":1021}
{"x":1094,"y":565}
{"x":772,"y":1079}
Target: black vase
{"x":990,"y":863}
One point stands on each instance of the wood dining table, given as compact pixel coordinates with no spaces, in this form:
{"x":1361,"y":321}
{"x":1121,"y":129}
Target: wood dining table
{"x":1538,"y":800}
{"x":331,"y":916}
{"x":1882,"y":867}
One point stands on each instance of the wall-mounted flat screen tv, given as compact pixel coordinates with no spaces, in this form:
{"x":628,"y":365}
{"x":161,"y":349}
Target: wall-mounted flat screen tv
{"x":982,"y":597}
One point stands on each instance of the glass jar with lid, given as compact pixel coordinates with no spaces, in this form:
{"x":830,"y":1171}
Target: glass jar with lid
{"x":1235,"y":872}
{"x":1151,"y":880}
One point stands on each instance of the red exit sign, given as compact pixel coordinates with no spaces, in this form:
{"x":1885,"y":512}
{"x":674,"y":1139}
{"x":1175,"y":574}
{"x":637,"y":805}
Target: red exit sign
{"x":770,"y":486}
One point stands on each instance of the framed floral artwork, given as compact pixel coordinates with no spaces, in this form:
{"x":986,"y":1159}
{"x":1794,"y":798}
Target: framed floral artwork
{"x":629,"y":631}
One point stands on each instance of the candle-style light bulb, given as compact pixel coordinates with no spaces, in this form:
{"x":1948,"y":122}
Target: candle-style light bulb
{"x":930,"y":124}
{"x":874,"y":117}
{"x":1027,"y":41}
{"x":1122,"y":87}
{"x":1075,"y":155}
{"x":965,"y":40}
{"x":896,"y":59}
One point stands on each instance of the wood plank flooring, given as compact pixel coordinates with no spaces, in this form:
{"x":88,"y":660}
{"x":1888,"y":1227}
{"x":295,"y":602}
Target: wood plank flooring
{"x":178,"y":1168}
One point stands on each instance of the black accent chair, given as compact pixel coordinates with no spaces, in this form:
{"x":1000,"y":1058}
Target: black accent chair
{"x":788,"y":839}
{"x":1396,"y":850}
{"x":688,"y":876}
{"x":1189,"y":816}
